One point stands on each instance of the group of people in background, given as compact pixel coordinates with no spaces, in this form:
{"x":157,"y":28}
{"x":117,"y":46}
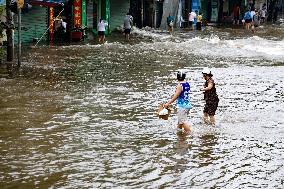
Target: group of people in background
{"x":127,"y":25}
{"x":194,"y":21}
{"x":252,"y":17}
{"x":195,"y":17}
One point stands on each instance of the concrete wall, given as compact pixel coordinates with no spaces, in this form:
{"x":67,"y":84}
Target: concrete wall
{"x":169,"y":7}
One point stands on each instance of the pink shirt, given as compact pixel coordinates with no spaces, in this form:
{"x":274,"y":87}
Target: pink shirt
{"x":191,"y":16}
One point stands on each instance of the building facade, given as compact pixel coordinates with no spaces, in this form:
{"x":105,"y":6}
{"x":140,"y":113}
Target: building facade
{"x":42,"y":20}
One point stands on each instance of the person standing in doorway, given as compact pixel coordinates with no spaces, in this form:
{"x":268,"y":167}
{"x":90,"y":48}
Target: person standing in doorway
{"x":127,"y":24}
{"x":191,"y":17}
{"x":210,"y":97}
{"x":236,"y":13}
{"x":183,"y":102}
{"x":263,"y":13}
{"x":101,"y":30}
{"x":199,"y":22}
{"x":170,"y":23}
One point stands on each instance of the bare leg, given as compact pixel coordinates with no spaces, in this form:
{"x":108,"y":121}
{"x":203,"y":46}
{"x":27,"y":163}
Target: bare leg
{"x":212,"y":120}
{"x":206,"y":118}
{"x":185,"y":126}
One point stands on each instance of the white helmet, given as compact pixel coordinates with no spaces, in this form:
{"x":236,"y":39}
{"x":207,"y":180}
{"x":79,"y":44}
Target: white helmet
{"x":206,"y":71}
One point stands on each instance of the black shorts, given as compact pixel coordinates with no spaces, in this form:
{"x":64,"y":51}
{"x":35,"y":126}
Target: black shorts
{"x":248,"y":20}
{"x":211,"y":107}
{"x":198,"y":25}
{"x":190,"y":23}
{"x":127,"y":31}
{"x":101,"y":33}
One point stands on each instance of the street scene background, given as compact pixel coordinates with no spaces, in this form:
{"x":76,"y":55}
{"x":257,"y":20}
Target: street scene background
{"x":84,"y":116}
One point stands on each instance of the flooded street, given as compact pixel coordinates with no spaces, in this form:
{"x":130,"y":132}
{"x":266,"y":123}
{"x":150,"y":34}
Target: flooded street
{"x":84,"y":116}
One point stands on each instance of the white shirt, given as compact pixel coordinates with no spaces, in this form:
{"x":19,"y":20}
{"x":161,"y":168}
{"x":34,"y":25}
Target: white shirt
{"x":191,"y":17}
{"x":64,"y":24}
{"x":128,"y":19}
{"x":102,"y":26}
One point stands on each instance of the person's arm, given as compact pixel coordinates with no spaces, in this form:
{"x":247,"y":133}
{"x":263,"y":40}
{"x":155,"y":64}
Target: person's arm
{"x":210,"y":85}
{"x":176,"y":95}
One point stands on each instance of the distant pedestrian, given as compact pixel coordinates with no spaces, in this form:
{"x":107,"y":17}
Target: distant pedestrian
{"x":255,"y":21}
{"x":101,"y":30}
{"x":170,"y":23}
{"x":128,"y":21}
{"x":236,"y":12}
{"x":210,"y":97}
{"x":248,"y":19}
{"x":263,"y":13}
{"x":183,"y":101}
{"x":63,"y":25}
{"x":191,"y":17}
{"x":275,"y":13}
{"x":199,"y":22}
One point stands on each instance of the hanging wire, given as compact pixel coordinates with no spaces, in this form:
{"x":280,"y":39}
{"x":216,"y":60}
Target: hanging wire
{"x":49,"y":27}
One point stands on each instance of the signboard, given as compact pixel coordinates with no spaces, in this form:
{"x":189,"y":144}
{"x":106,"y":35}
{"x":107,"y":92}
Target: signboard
{"x":77,"y":13}
{"x":84,"y":12}
{"x":51,"y":23}
{"x":214,"y":11}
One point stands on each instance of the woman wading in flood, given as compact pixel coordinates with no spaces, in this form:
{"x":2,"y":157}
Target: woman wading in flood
{"x":210,"y":97}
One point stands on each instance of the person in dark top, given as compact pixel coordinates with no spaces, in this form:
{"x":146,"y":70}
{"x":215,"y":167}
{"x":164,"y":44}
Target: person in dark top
{"x":170,"y":23}
{"x":236,"y":12}
{"x":210,"y":97}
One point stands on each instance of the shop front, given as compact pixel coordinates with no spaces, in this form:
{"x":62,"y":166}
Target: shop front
{"x":96,"y":10}
{"x":56,"y":20}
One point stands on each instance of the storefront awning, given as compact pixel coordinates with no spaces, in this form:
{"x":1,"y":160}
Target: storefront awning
{"x":48,"y":3}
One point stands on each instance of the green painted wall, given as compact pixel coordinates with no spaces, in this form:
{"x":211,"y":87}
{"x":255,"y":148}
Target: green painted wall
{"x":105,"y":13}
{"x":118,"y":10}
{"x":34,"y":24}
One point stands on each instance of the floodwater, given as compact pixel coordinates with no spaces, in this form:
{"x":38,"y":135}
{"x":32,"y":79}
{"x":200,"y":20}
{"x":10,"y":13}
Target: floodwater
{"x":84,"y":116}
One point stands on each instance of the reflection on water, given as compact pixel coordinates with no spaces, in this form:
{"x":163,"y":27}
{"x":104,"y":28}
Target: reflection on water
{"x":84,"y":116}
{"x":207,"y":149}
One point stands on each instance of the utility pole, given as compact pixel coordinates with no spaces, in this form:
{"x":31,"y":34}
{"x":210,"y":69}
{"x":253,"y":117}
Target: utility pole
{"x":20,"y":5}
{"x":9,"y":32}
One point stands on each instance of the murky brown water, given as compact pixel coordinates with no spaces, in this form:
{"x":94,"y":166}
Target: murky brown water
{"x":84,"y":116}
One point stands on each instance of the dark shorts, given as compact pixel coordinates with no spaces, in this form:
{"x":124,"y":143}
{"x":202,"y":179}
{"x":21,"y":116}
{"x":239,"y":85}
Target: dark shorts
{"x":248,"y":20}
{"x":101,"y":33}
{"x":236,"y":17}
{"x":190,"y":23}
{"x":198,"y":25}
{"x":127,"y":31}
{"x":211,"y":107}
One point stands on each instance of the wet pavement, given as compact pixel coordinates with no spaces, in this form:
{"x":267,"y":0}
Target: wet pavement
{"x":84,"y":116}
